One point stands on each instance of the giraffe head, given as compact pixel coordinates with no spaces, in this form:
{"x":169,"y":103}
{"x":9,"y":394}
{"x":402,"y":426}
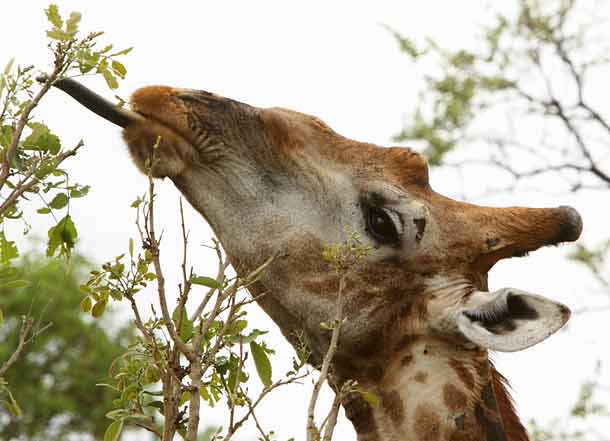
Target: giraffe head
{"x":274,"y":180}
{"x":278,"y":182}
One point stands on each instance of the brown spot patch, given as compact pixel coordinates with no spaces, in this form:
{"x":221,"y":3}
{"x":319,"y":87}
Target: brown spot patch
{"x":463,"y":373}
{"x":406,"y":360}
{"x":454,"y":398}
{"x":427,"y":423}
{"x":421,"y":377}
{"x":392,"y":404}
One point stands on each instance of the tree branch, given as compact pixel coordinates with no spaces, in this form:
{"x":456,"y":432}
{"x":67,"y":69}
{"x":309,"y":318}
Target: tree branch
{"x":26,"y":327}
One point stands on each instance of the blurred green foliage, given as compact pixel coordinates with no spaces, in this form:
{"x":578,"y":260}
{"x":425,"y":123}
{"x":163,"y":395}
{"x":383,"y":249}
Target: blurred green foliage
{"x":54,"y":381}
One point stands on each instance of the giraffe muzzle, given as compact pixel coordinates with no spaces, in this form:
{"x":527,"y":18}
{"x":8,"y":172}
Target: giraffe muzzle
{"x":571,"y":225}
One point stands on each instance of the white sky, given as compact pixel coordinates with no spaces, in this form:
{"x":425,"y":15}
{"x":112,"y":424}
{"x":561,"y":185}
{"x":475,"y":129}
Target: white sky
{"x":332,"y":60}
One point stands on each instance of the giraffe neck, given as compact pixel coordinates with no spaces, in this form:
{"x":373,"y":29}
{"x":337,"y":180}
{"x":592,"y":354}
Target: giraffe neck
{"x":433,"y":392}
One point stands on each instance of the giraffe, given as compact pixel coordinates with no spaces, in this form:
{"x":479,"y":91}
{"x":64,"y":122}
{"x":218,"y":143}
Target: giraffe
{"x":421,"y":319}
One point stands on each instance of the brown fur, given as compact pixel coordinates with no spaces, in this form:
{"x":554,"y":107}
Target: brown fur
{"x":463,"y":373}
{"x":392,"y":403}
{"x":454,"y":398}
{"x":427,"y":423}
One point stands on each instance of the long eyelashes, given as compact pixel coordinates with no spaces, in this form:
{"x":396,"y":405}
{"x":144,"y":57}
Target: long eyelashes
{"x":490,"y":313}
{"x":382,"y":224}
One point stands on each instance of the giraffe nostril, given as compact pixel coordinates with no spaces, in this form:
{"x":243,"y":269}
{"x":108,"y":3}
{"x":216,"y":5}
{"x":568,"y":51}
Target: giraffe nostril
{"x":571,"y":224}
{"x":420,"y":224}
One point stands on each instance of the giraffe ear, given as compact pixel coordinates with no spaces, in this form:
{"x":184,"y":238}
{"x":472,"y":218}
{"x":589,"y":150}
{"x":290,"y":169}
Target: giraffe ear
{"x":513,"y":320}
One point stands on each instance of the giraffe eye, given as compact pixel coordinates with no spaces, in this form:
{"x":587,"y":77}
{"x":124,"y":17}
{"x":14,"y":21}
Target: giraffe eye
{"x":381,"y":224}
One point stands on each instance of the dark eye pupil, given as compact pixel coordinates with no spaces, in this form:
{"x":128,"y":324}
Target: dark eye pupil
{"x":381,"y":226}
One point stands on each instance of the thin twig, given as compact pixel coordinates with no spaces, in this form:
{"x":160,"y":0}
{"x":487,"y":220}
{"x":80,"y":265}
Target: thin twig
{"x":155,"y":252}
{"x":148,"y":425}
{"x":312,"y":430}
{"x":332,"y":417}
{"x":10,"y":152}
{"x":231,"y":431}
{"x":26,"y":326}
{"x":23,"y":186}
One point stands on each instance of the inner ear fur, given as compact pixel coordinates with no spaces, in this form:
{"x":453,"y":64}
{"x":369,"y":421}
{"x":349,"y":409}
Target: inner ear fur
{"x":512,"y":320}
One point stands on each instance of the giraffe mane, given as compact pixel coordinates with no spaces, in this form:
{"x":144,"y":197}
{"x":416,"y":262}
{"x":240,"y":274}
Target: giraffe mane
{"x":515,"y":431}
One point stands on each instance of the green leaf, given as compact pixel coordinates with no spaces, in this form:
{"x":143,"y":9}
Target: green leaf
{"x":9,"y":66}
{"x":119,"y":69}
{"x":1,"y":317}
{"x":115,"y":414}
{"x":87,"y":60}
{"x":406,"y":45}
{"x":79,"y":192}
{"x":153,"y":374}
{"x":157,"y":405}
{"x":206,"y":281}
{"x":113,"y":432}
{"x":221,"y":364}
{"x":262,"y":363}
{"x":43,"y":210}
{"x":8,"y":272}
{"x":44,"y":170}
{"x":203,"y":392}
{"x":186,"y":396}
{"x":11,"y":404}
{"x":111,"y":80}
{"x":98,"y":309}
{"x":53,"y":16}
{"x":14,"y":408}
{"x":8,"y":249}
{"x":62,"y":236}
{"x":186,"y":326}
{"x":57,"y":34}
{"x":122,"y":52}
{"x":116,"y":295}
{"x":15,"y":284}
{"x":253,"y":336}
{"x":72,"y":23}
{"x":6,"y":135}
{"x":85,"y":304}
{"x":59,"y":201}
{"x":42,"y":139}
{"x":7,"y":70}
{"x":233,"y":368}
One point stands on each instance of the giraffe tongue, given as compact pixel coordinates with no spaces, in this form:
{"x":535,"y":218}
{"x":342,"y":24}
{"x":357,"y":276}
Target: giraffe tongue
{"x":97,"y":104}
{"x":512,"y":320}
